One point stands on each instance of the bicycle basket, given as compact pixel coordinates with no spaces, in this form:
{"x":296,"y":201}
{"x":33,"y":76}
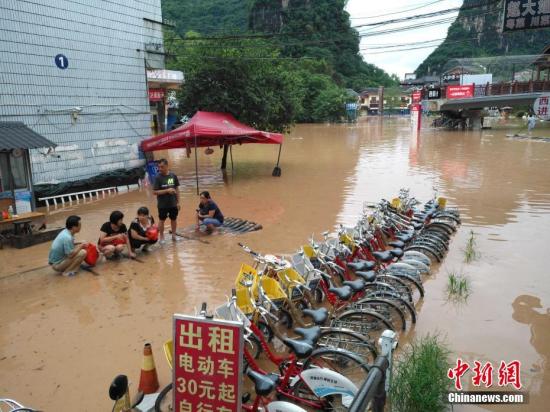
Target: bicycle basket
{"x":289,"y":277}
{"x":243,"y":301}
{"x":396,"y":203}
{"x":347,"y":240}
{"x":271,"y":288}
{"x":309,"y":252}
{"x":168,"y":352}
{"x":227,"y":311}
{"x":246,"y":274}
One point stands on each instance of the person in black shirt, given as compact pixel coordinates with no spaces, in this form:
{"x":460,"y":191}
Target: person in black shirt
{"x":208,"y":213}
{"x":168,"y":198}
{"x":113,"y":236}
{"x":141,"y":230}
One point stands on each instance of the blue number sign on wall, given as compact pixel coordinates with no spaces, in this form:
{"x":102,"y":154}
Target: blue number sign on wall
{"x":61,"y":61}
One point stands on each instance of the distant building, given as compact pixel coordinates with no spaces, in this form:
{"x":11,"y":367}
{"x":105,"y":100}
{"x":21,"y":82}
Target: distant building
{"x":370,"y":99}
{"x":420,"y":81}
{"x":75,"y":73}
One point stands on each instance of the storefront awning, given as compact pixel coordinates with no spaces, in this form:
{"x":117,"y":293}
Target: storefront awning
{"x":15,"y":135}
{"x":169,"y":79}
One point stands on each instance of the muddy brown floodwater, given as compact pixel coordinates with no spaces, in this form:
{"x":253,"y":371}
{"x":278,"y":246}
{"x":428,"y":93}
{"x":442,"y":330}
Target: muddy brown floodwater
{"x":63,"y":340}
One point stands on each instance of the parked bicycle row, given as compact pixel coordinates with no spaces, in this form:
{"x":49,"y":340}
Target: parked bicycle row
{"x":329,"y":302}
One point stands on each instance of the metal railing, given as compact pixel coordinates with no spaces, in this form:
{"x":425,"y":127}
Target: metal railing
{"x":373,"y":391}
{"x":505,"y":88}
{"x":68,"y":197}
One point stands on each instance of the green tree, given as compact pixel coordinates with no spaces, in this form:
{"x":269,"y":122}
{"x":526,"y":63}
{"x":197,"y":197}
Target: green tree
{"x":246,"y":78}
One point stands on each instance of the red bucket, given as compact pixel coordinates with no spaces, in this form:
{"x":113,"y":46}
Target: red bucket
{"x":92,"y":254}
{"x":152,"y":233}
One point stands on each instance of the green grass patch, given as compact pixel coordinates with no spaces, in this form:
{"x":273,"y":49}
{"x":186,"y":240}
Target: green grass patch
{"x":458,"y":286}
{"x":470,"y":251}
{"x":419,"y":381}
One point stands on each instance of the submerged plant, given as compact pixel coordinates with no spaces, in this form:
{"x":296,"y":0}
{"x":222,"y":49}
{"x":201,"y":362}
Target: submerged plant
{"x":458,"y":286}
{"x":470,"y":252}
{"x":419,"y":380}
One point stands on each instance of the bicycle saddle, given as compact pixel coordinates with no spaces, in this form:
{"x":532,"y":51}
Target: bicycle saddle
{"x":368,"y":277}
{"x":301,"y":348}
{"x":263,"y":384}
{"x":361,"y":265}
{"x":417,"y":226}
{"x":355,"y":285}
{"x":311,"y":334}
{"x":343,"y":293}
{"x":319,"y":316}
{"x":384,"y":256}
{"x":397,"y":252}
{"x":397,"y":243}
{"x":405,"y":237}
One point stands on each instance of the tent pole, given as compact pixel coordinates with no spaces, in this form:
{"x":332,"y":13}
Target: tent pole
{"x":231,"y":154}
{"x":224,"y":158}
{"x":277,"y":170}
{"x":12,"y":183}
{"x":196,"y":165}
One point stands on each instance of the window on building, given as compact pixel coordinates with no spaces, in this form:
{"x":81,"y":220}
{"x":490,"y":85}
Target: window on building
{"x":18,"y":168}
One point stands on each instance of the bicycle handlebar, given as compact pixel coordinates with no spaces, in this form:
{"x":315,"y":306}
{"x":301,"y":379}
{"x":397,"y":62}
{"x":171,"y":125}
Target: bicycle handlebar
{"x":248,"y":250}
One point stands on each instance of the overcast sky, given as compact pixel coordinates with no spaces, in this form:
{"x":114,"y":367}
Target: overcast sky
{"x":374,"y":48}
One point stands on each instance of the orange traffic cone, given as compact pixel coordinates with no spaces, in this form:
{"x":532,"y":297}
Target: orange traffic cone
{"x":148,"y":381}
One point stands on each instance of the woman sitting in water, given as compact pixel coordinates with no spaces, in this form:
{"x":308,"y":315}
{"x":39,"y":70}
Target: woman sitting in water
{"x":208,"y":213}
{"x":143,"y":231}
{"x":113,"y":236}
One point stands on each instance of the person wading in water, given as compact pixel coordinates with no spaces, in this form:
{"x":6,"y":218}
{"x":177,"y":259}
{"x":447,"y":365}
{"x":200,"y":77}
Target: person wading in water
{"x":168,"y":198}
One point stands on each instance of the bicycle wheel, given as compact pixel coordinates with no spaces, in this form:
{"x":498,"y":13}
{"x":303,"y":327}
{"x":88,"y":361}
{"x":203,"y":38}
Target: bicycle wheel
{"x":417,"y":264}
{"x":390,"y":310}
{"x":403,"y":304}
{"x":366,"y":322}
{"x":411,"y":254}
{"x":425,"y":250}
{"x":397,"y":286}
{"x":346,"y":363}
{"x":348,"y":340}
{"x":412,"y":282}
{"x":164,"y":400}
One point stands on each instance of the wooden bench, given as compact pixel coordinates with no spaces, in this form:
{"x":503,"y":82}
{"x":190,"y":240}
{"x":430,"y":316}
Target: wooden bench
{"x":20,"y":223}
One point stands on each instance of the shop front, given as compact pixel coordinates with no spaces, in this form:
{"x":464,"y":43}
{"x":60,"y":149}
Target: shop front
{"x":161,"y":86}
{"x":16,"y":192}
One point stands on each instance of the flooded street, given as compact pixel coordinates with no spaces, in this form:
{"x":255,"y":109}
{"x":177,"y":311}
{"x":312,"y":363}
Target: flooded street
{"x":62,"y":340}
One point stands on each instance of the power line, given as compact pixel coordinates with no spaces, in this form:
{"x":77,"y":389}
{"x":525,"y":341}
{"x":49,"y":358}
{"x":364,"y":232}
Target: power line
{"x":398,"y":12}
{"x":278,"y":34}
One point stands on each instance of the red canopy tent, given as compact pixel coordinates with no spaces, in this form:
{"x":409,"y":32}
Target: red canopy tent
{"x":212,"y":129}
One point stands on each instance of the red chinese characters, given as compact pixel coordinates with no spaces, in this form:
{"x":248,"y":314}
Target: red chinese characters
{"x":460,"y":92}
{"x":156,"y":95}
{"x":207,"y":367}
{"x":457,"y":372}
{"x":509,"y":374}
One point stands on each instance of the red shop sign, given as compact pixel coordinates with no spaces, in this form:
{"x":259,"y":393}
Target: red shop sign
{"x":416,"y":96}
{"x":156,"y":95}
{"x":208,"y":366}
{"x":460,"y":92}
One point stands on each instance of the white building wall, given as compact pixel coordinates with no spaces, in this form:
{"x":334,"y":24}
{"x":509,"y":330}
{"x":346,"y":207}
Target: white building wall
{"x":97,"y":109}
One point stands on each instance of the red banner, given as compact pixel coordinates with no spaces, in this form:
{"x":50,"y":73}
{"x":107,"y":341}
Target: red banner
{"x":156,"y":95}
{"x":416,"y":96}
{"x":207,"y":365}
{"x":460,"y":92}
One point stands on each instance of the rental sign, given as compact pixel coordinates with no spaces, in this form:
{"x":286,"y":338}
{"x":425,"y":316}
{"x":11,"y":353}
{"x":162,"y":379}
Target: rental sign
{"x":207,"y":364}
{"x":460,"y":92}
